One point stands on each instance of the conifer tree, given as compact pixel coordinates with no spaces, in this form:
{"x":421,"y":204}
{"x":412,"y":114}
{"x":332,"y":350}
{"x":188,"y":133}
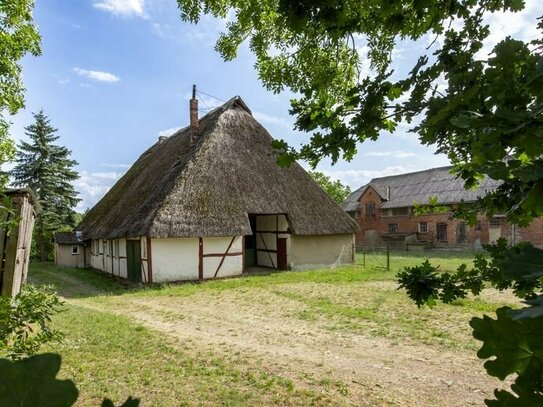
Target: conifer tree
{"x":47,"y":169}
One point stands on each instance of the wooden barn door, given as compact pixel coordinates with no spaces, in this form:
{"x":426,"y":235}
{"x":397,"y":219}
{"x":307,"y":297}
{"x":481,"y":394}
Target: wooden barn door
{"x":133,"y":260}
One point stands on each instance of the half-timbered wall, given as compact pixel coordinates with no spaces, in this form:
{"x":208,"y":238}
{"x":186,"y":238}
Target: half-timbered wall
{"x":196,"y":258}
{"x":322,"y":250}
{"x":222,"y":257}
{"x":269,"y":228}
{"x":109,"y":256}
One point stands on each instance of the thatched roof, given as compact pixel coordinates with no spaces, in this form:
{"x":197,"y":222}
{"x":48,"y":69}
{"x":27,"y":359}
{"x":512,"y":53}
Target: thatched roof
{"x":176,"y":189}
{"x":406,"y":189}
{"x":68,"y":238}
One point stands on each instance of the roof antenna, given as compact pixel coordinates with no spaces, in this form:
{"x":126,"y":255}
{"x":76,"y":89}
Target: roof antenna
{"x":194,"y":125}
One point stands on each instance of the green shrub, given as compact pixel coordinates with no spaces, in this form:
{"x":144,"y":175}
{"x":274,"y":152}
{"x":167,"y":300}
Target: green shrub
{"x":25,"y":321}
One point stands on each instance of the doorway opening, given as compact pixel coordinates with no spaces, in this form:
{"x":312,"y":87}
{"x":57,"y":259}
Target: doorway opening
{"x":267,"y":245}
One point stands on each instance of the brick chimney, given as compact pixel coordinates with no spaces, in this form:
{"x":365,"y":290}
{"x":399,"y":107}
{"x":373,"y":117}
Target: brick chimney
{"x":194,"y":126}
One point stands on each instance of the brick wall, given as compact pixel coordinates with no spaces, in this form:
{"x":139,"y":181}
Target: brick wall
{"x":374,"y":226}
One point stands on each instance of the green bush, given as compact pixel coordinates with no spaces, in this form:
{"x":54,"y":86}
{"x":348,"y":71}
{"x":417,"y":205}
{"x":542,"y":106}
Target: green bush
{"x":25,"y":321}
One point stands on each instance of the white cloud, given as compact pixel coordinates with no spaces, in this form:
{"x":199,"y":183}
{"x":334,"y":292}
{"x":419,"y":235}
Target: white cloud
{"x":521,"y":25}
{"x":99,"y":76}
{"x":392,"y":154}
{"x":122,"y":7}
{"x":115,"y":165}
{"x":92,"y":186}
{"x":357,"y":178}
{"x":279,"y":121}
{"x":207,"y":31}
{"x":168,"y":132}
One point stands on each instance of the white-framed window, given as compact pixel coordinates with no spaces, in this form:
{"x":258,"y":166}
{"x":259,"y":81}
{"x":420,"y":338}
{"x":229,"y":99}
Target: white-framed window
{"x":392,"y":228}
{"x":75,"y":249}
{"x":423,"y":227}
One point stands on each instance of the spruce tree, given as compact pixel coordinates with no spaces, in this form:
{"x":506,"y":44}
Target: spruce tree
{"x":47,"y":169}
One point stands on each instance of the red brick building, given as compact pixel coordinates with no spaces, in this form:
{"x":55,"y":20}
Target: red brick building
{"x":384,"y":211}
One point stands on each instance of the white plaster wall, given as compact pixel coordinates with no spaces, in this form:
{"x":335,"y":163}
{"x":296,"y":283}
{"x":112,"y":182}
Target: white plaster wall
{"x":266,"y":259}
{"x":320,"y":251}
{"x":283,"y":223}
{"x":175,"y":259}
{"x":266,"y":222}
{"x":64,"y":256}
{"x":232,"y":265}
{"x":97,"y":258}
{"x":108,"y":257}
{"x":110,"y":261}
{"x":122,"y":259}
{"x":266,"y":241}
{"x":220,"y":244}
{"x":144,"y":263}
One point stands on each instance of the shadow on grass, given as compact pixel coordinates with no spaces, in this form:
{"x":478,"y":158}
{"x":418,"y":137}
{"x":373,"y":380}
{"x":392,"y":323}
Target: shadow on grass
{"x":71,"y":282}
{"x":78,"y":283}
{"x":82,"y":283}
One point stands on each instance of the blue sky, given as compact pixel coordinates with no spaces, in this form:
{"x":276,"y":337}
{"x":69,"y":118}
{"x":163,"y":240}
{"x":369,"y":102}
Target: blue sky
{"x":116,"y":74}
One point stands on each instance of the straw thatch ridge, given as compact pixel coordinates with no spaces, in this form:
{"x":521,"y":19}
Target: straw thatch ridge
{"x":176,"y":189}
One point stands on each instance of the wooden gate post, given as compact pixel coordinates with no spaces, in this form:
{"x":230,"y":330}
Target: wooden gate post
{"x":15,"y":243}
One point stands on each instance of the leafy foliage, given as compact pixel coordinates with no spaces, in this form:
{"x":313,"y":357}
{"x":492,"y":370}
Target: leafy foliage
{"x":515,"y":345}
{"x":432,"y":206}
{"x":18,"y":37}
{"x":25,"y":321}
{"x":477,"y":109}
{"x":48,"y":169}
{"x":335,"y":189}
{"x":514,"y":338}
{"x":32,"y":382}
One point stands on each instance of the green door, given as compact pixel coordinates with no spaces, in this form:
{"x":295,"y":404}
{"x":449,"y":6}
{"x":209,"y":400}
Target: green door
{"x":133,"y":260}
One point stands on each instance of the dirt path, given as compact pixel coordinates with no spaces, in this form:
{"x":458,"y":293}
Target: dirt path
{"x":265,"y":328}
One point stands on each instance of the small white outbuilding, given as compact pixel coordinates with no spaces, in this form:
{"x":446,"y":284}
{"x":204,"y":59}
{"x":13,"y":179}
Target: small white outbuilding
{"x":210,"y":201}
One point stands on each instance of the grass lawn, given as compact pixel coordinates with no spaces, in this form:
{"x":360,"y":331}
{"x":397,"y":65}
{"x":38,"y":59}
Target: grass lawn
{"x":345,"y":336}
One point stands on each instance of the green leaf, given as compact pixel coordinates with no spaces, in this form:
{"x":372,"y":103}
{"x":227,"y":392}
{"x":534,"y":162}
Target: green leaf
{"x":522,"y":262}
{"x":32,"y":382}
{"x":506,"y":339}
{"x":421,"y":283}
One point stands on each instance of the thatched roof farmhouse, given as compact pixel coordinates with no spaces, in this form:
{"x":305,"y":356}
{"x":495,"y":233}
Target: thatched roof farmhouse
{"x":210,"y":200}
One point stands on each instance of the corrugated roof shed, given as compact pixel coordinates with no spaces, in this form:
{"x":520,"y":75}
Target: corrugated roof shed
{"x":418,"y":187}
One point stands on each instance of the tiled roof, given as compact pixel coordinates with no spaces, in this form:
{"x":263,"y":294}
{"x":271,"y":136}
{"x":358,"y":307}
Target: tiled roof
{"x":418,"y":187}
